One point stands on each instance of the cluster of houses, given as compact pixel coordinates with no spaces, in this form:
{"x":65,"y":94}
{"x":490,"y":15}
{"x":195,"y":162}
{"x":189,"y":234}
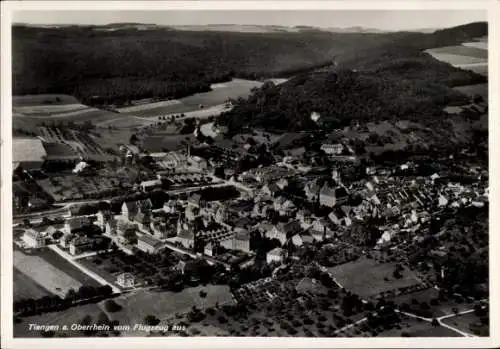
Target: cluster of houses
{"x":72,"y":235}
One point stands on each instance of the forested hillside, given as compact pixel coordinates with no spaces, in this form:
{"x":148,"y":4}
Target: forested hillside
{"x":391,"y":81}
{"x":114,"y":67}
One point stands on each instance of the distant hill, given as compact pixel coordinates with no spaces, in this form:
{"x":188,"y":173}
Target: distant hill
{"x":119,"y":62}
{"x":393,"y":81}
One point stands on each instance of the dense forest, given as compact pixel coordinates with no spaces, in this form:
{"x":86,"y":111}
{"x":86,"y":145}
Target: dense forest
{"x":390,"y":81}
{"x":113,"y":67}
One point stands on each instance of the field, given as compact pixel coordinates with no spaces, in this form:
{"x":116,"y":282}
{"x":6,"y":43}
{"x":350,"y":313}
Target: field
{"x":76,"y":187}
{"x":464,"y":321}
{"x":67,"y":317}
{"x":44,"y":273}
{"x":472,"y":90}
{"x":42,"y":99}
{"x":25,"y":287}
{"x":219,"y":94}
{"x":372,"y":278}
{"x":461,"y":50}
{"x":469,"y":56}
{"x":411,"y":327}
{"x":66,"y":143}
{"x":165,"y":305}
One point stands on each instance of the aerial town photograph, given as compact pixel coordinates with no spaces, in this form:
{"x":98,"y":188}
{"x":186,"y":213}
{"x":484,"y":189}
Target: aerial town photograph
{"x":250,"y":173}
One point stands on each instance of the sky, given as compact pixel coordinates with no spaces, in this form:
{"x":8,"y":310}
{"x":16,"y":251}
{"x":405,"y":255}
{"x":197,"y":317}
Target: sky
{"x":380,"y":19}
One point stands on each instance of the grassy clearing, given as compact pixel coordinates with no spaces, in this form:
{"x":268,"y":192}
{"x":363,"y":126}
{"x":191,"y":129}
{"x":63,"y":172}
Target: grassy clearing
{"x":76,"y":187}
{"x":165,"y":305}
{"x":413,"y":328}
{"x":472,"y":90}
{"x":60,"y":263}
{"x":44,"y":273}
{"x":25,"y":287}
{"x":455,"y":59}
{"x":461,"y":50}
{"x":219,"y":94}
{"x":66,"y":317}
{"x":372,"y":277}
{"x":479,"y":68}
{"x":464,"y":322}
{"x":33,"y":100}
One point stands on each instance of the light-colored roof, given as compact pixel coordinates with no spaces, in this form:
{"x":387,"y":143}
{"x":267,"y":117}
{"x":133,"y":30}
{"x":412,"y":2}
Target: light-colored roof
{"x":27,"y":150}
{"x":278,"y":251}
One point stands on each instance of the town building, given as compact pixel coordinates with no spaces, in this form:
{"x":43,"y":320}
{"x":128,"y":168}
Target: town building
{"x":209,"y":249}
{"x":302,"y":238}
{"x":241,"y":241}
{"x":332,"y":196}
{"x":125,"y":280}
{"x":147,"y":186}
{"x":275,"y":255}
{"x":198,"y":163}
{"x":311,"y":190}
{"x":142,"y":221}
{"x":34,"y":238}
{"x":332,"y":149}
{"x":194,"y":200}
{"x":283,"y":231}
{"x":131,"y":208}
{"x":148,"y":244}
{"x":80,"y":244}
{"x":186,"y":238}
{"x":75,"y":223}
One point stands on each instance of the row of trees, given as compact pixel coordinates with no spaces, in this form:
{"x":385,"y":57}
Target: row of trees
{"x":84,"y":294}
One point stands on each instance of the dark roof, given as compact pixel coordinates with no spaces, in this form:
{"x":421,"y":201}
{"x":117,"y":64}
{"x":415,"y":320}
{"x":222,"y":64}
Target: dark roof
{"x":341,"y":192}
{"x":142,"y":218}
{"x":290,"y":227}
{"x":131,"y":206}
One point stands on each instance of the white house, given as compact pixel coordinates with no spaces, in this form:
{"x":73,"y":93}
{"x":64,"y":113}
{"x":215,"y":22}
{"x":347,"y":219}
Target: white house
{"x":34,"y":238}
{"x":275,"y":255}
{"x":125,"y":280}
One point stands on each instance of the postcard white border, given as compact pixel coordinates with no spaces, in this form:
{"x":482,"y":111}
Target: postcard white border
{"x":493,"y":8}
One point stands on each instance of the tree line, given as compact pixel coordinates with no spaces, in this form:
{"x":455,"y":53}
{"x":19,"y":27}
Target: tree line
{"x":84,"y":294}
{"x":114,"y":68}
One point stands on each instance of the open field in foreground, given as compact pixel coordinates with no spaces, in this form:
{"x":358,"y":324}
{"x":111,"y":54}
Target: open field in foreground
{"x":61,"y":264}
{"x":372,"y":277}
{"x":414,"y":328}
{"x":25,"y":287}
{"x":165,"y":305}
{"x":44,"y":273}
{"x":66,"y":317}
{"x":464,"y":322}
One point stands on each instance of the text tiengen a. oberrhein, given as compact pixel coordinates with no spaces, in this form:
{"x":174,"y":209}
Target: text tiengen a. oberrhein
{"x":95,"y":327}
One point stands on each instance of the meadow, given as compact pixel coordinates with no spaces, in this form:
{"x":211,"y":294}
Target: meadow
{"x":44,"y":273}
{"x":219,"y":95}
{"x":25,"y":287}
{"x":468,"y":56}
{"x":164,"y":305}
{"x":373,"y":277}
{"x":472,"y":90}
{"x":411,"y":327}
{"x":463,"y":323}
